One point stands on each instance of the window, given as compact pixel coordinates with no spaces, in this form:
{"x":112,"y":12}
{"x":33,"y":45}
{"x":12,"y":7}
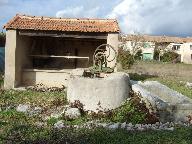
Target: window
{"x":176,"y":47}
{"x":146,"y":45}
{"x":191,"y":47}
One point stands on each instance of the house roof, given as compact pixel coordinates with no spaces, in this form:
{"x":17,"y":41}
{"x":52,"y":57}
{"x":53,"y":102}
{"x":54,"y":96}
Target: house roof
{"x":23,"y":22}
{"x":159,"y":39}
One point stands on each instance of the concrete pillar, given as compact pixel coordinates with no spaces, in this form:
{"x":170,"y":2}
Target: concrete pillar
{"x":113,"y":40}
{"x":10,"y":50}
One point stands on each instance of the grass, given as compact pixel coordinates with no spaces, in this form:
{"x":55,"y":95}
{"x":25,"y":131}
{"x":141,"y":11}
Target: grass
{"x":17,"y":128}
{"x":43,"y":99}
{"x":179,"y":71}
{"x":172,"y":75}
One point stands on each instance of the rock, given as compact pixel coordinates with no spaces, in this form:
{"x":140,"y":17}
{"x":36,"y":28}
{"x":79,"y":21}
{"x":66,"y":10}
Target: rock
{"x":45,"y":117}
{"x":59,"y":125}
{"x":140,"y":129}
{"x":23,"y":108}
{"x":36,"y":111}
{"x":157,"y":123}
{"x":58,"y":112}
{"x":137,"y":125}
{"x":72,"y":113}
{"x":129,"y":128}
{"x":104,"y":125}
{"x":169,"y":129}
{"x":130,"y":125}
{"x":56,"y":115}
{"x":154,"y":127}
{"x":161,"y":127}
{"x":114,"y":126}
{"x":39,"y":124}
{"x":77,"y":72}
{"x":188,"y":85}
{"x":123,"y":125}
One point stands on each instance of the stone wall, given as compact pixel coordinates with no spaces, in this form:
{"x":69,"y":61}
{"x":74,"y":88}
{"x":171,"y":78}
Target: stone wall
{"x":49,"y":78}
{"x":10,"y":70}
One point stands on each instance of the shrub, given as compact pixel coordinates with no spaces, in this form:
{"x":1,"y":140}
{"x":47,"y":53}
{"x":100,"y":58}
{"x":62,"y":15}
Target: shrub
{"x":2,"y":39}
{"x":133,"y":111}
{"x":169,"y":56}
{"x":138,"y":55}
{"x":125,"y":59}
{"x":156,"y":54}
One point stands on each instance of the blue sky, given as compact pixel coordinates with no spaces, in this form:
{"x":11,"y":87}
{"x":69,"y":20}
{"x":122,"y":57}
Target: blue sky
{"x":155,"y":17}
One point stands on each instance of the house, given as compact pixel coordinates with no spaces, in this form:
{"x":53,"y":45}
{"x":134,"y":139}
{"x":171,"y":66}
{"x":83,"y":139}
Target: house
{"x":45,"y":50}
{"x":148,"y":43}
{"x":133,"y":43}
{"x":186,"y":53}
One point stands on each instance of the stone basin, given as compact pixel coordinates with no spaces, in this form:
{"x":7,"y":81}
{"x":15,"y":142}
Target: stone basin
{"x":99,"y":93}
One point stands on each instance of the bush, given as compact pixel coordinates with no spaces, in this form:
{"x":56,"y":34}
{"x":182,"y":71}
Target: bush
{"x":156,"y":54}
{"x":169,"y":56}
{"x":2,"y":39}
{"x":134,"y":110}
{"x":125,"y":59}
{"x":138,"y":55}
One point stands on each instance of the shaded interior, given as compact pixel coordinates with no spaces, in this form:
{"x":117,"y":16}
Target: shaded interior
{"x":61,"y":53}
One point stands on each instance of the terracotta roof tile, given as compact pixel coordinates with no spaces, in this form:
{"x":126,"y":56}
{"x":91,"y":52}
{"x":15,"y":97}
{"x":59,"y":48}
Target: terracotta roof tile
{"x":159,"y":39}
{"x":23,"y":22}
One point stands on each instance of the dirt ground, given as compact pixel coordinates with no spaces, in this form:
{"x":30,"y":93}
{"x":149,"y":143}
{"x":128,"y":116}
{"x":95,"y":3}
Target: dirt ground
{"x":180,"y":72}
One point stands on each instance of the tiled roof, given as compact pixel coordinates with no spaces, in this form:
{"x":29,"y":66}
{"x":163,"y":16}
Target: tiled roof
{"x":23,"y":22}
{"x":159,"y":39}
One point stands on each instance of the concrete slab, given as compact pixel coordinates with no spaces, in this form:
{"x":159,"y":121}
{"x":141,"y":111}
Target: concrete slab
{"x":169,"y":104}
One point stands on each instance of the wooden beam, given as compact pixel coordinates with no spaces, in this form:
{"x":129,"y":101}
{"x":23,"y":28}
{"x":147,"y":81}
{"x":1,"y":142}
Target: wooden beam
{"x":40,"y":34}
{"x":53,"y":56}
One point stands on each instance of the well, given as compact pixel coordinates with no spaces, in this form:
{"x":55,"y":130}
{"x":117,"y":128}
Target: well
{"x":99,"y":93}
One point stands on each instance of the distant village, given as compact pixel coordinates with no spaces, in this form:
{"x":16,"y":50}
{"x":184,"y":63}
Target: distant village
{"x":148,"y":44}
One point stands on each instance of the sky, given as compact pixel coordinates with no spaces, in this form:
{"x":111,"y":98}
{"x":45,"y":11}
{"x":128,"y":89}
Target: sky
{"x":153,"y":17}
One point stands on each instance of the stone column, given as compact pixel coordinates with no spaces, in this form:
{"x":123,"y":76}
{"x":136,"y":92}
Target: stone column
{"x":10,"y":50}
{"x":113,"y":40}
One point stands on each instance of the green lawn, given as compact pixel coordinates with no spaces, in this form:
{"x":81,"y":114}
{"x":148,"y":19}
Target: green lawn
{"x":17,"y":128}
{"x":43,"y":99}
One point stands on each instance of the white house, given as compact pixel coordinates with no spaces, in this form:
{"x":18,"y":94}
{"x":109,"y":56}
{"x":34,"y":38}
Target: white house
{"x":182,"y":46}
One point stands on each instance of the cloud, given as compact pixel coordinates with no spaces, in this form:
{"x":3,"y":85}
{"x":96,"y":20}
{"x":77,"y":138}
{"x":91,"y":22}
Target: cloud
{"x":169,"y":17}
{"x":79,"y":11}
{"x":156,"y":17}
{"x":2,"y":2}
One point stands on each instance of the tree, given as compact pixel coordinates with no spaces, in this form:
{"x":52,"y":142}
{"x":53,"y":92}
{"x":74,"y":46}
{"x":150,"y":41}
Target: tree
{"x":137,"y":43}
{"x":160,"y":48}
{"x":2,"y":39}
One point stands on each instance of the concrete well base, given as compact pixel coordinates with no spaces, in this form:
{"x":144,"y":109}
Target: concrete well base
{"x":100,"y":93}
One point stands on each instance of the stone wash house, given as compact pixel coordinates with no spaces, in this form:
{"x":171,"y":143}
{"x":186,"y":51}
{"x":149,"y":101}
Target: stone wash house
{"x":182,"y":46}
{"x":45,"y":50}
